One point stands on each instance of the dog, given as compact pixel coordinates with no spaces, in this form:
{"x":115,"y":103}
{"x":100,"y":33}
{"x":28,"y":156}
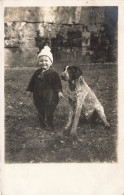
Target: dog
{"x":81,"y":98}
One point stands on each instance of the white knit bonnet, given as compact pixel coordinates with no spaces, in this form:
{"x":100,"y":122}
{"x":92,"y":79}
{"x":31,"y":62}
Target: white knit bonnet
{"x":46,"y":51}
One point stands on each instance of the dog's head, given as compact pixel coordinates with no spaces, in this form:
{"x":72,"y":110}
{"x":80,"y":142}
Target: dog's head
{"x":71,"y":73}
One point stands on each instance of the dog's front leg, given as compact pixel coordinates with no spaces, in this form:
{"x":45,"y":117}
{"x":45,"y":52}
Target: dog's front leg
{"x":76,"y":119}
{"x":80,"y":100}
{"x":70,"y":115}
{"x":67,"y":129}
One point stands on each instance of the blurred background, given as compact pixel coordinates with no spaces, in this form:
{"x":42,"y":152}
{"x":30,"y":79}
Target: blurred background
{"x":84,"y":35}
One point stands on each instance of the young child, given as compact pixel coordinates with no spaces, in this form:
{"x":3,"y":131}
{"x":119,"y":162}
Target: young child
{"x":46,"y":87}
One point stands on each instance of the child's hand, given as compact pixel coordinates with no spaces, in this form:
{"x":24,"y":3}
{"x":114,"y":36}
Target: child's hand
{"x":60,"y":94}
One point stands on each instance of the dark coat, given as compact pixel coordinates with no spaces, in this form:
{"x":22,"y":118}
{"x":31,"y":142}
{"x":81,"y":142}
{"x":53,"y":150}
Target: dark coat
{"x":45,"y":86}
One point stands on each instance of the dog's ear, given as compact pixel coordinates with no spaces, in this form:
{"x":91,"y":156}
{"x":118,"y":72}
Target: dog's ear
{"x":78,"y":73}
{"x":74,"y":72}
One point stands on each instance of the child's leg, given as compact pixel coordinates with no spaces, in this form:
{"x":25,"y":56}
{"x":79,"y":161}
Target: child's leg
{"x":42,"y":118}
{"x":49,"y":120}
{"x":49,"y":112}
{"x":40,"y":108}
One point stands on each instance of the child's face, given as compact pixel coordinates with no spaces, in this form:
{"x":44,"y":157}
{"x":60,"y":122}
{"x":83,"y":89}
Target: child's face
{"x":44,"y":62}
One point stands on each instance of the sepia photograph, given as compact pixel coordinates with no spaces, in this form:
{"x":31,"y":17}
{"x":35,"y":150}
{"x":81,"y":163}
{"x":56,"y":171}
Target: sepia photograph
{"x":61,"y":84}
{"x":61,"y":97}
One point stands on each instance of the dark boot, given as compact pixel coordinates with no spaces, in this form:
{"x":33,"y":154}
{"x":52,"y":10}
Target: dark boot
{"x":42,"y":120}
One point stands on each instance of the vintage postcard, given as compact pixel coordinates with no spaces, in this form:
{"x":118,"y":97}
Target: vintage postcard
{"x":62,"y":97}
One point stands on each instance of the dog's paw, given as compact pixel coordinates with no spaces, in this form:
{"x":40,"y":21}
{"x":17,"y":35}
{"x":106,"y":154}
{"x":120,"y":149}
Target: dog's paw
{"x":66,"y":127}
{"x":75,"y":138}
{"x":66,"y":132}
{"x":73,"y":135}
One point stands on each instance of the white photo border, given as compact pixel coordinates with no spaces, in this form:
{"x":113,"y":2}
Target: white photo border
{"x":66,"y":178}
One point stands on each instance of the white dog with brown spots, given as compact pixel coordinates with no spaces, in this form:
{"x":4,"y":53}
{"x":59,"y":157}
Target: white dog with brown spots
{"x":81,"y":99}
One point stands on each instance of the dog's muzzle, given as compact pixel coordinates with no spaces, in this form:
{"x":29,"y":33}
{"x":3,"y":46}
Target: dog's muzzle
{"x":63,"y":77}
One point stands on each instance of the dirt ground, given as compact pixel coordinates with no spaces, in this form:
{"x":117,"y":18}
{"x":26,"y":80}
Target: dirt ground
{"x":26,"y":142}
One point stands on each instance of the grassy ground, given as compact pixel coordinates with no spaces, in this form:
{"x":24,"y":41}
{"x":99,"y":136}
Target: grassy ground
{"x":26,"y":142}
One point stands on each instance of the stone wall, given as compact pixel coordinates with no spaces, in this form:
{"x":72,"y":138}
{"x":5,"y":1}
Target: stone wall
{"x":73,"y":33}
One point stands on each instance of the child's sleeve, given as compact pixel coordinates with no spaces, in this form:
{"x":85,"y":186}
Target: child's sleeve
{"x":56,"y":82}
{"x":31,"y":83}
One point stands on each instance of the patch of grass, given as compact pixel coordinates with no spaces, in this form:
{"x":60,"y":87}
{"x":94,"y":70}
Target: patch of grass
{"x":26,"y":142}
